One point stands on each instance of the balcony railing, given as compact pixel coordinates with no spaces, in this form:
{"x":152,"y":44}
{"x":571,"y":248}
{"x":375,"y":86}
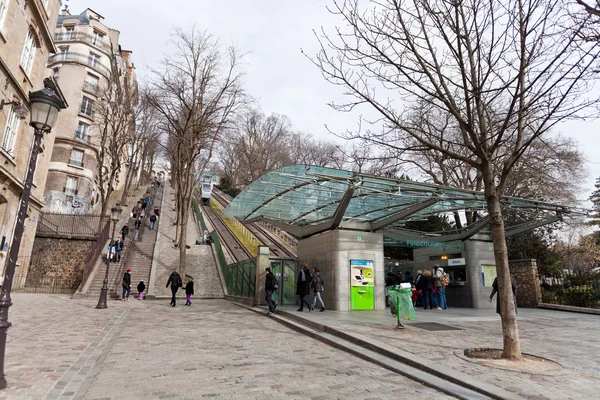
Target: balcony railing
{"x":82,"y":136}
{"x":82,"y":37}
{"x":83,"y":59}
{"x":76,"y":163}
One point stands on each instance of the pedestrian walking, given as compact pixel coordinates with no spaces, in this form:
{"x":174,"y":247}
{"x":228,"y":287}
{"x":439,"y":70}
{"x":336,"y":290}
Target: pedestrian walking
{"x":119,"y":244}
{"x":513,"y":284}
{"x":126,"y":285}
{"x":125,"y":231}
{"x":175,"y":282}
{"x":303,"y":287}
{"x":153,"y":218}
{"x":271,"y":285}
{"x":138,"y":224}
{"x":189,"y":292}
{"x":143,"y":214}
{"x":141,"y":287}
{"x":428,"y":283}
{"x":317,"y":286}
{"x":157,"y":211}
{"x":441,"y":281}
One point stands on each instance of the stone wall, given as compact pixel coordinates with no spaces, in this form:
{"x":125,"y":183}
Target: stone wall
{"x":57,"y":264}
{"x":525,"y":272}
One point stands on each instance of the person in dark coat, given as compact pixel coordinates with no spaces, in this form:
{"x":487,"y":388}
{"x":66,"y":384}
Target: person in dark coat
{"x":119,"y":244}
{"x":126,"y":285}
{"x":408,"y":277}
{"x":427,"y":282}
{"x":125,"y":231}
{"x":303,"y":287}
{"x":176,"y":283}
{"x":270,"y":286}
{"x":419,"y":287}
{"x":513,"y":283}
{"x":189,"y":291}
{"x":141,"y":287}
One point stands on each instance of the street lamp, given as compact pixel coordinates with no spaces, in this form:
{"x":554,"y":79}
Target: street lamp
{"x":114,"y":215}
{"x":45,"y":105}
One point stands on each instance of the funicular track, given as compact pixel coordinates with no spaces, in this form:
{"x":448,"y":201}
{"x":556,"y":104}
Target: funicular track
{"x":235,"y":247}
{"x":277,"y":246}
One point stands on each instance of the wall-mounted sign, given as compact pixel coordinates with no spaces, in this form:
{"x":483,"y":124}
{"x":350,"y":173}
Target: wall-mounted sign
{"x":456,"y":261}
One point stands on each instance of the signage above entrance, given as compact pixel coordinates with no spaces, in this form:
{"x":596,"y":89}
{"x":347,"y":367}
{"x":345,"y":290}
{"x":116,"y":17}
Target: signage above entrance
{"x":456,"y":261}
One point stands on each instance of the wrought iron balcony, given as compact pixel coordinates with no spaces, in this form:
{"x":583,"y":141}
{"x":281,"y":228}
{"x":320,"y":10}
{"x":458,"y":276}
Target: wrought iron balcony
{"x":83,"y":59}
{"x":101,"y":44}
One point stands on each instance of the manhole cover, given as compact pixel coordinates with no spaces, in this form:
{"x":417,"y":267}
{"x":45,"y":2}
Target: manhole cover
{"x":434,"y":326}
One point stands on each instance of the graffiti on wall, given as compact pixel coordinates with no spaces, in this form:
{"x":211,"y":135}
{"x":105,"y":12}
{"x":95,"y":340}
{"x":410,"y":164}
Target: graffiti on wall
{"x":61,"y":202}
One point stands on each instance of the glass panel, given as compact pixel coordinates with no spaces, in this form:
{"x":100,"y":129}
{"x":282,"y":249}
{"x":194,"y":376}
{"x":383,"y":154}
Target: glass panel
{"x":308,"y":195}
{"x":289,"y":281}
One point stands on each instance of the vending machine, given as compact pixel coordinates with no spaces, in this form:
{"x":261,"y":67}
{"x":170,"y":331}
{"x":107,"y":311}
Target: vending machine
{"x":362,"y":286}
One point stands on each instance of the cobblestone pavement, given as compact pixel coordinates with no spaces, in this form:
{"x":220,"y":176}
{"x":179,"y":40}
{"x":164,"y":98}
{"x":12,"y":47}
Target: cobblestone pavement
{"x":568,"y":338}
{"x":200,"y":264}
{"x":65,"y":349}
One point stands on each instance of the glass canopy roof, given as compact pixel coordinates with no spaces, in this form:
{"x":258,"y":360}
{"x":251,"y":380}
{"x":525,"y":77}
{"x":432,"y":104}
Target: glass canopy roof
{"x":308,"y":196}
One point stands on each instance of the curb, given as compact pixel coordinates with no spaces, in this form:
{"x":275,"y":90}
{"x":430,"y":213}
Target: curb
{"x":151,"y":284}
{"x":560,"y":307}
{"x":442,"y":379}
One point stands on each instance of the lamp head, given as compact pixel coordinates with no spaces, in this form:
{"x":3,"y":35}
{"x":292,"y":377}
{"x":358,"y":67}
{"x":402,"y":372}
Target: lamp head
{"x":45,"y":105}
{"x":115,"y":212}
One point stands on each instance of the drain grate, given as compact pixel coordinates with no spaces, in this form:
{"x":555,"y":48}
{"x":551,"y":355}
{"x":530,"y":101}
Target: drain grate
{"x":434,"y":326}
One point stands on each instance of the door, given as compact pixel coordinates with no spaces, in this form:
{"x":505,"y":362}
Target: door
{"x":285,"y":272}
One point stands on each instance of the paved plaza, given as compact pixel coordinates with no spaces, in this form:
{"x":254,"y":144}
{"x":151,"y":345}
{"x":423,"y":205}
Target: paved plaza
{"x":66,"y":349}
{"x":569,"y":338}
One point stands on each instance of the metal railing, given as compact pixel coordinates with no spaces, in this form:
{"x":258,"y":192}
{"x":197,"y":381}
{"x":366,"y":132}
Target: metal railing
{"x":240,"y":278}
{"x":83,"y":59}
{"x":95,"y":252}
{"x":82,"y":136}
{"x":81,"y":225}
{"x":82,"y":37}
{"x":199,"y":215}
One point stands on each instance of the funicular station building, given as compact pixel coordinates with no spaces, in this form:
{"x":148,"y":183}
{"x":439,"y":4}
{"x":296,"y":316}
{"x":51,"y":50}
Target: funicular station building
{"x":345,"y":223}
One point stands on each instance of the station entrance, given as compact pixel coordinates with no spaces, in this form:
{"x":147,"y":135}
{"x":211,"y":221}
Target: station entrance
{"x":344,"y":220}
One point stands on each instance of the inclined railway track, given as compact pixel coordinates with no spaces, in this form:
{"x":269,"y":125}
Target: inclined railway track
{"x":228,"y":239}
{"x":277,"y":246}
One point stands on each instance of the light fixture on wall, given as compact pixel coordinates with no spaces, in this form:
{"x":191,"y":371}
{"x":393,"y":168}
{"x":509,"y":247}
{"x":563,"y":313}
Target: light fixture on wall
{"x":18,"y":108}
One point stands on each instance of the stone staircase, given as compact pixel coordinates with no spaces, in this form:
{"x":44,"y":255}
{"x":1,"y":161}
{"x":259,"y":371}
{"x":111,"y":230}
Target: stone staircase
{"x":137,"y":255}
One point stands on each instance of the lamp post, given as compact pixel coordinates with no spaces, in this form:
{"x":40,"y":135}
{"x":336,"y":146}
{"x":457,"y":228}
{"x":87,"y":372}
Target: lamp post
{"x":114,"y":215}
{"x":45,"y":105}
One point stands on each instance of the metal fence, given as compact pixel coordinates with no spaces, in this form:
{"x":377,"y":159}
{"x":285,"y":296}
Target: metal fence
{"x":199,"y":215}
{"x":95,"y":252}
{"x":240,"y":278}
{"x":84,"y":225}
{"x":581,"y":295}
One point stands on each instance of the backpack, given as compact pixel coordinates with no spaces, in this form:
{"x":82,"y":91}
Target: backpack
{"x":444,"y":279}
{"x":153,"y":218}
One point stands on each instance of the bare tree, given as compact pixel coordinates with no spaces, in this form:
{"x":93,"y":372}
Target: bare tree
{"x":114,"y":117}
{"x":196,"y":93}
{"x":489,"y":76}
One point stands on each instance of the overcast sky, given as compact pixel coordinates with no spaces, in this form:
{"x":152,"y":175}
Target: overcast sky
{"x":272,"y":32}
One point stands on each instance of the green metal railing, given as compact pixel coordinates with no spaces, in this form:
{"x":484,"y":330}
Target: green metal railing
{"x":199,"y":215}
{"x":240,"y":278}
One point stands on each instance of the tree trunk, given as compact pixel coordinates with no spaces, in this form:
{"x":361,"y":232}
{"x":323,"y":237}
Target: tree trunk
{"x":182,"y":242}
{"x":508,"y":315}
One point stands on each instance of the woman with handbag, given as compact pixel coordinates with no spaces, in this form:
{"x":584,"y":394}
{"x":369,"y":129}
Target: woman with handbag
{"x":317,"y":286}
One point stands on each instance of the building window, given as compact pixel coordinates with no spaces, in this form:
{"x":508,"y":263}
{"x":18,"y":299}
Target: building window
{"x":91,"y":83}
{"x":28,"y":53}
{"x":64,"y":53}
{"x":3,"y":11}
{"x":87,"y":106}
{"x":93,"y":60}
{"x":97,"y":38}
{"x":71,"y":185}
{"x":10,"y":132}
{"x":83,"y":131}
{"x":69,"y":33}
{"x":76,"y":158}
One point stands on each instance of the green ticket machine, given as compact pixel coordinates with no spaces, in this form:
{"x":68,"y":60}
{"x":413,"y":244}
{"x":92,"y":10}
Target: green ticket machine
{"x":362,"y":287}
